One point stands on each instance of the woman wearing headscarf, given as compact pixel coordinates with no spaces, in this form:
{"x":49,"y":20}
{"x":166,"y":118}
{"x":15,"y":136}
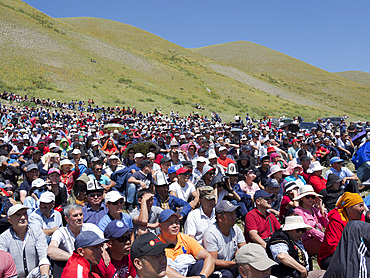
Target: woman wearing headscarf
{"x":293,"y":173}
{"x":110,"y":148}
{"x":349,"y":207}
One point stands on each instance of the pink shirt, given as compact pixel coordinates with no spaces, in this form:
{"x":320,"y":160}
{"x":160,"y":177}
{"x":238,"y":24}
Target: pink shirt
{"x":316,"y":220}
{"x":250,"y":190}
{"x":7,"y":265}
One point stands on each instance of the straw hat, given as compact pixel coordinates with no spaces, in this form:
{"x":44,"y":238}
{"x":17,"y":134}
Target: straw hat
{"x":314,"y":166}
{"x":294,"y":222}
{"x":304,"y":191}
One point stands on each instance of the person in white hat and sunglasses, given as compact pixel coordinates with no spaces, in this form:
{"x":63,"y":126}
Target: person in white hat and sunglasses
{"x":285,"y":247}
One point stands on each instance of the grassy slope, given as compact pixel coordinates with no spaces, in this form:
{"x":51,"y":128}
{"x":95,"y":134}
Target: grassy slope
{"x":51,"y":58}
{"x":293,"y":75}
{"x":360,"y":77}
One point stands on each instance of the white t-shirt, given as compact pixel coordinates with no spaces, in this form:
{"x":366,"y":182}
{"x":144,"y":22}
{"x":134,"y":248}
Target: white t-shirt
{"x":183,"y":192}
{"x":197,"y":223}
{"x":66,"y":239}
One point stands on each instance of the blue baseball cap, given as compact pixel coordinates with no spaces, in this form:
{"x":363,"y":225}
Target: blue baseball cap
{"x":167,"y":213}
{"x":262,"y":194}
{"x":87,"y":239}
{"x":116,"y":229}
{"x":273,"y":183}
{"x":335,"y":159}
{"x":172,"y":169}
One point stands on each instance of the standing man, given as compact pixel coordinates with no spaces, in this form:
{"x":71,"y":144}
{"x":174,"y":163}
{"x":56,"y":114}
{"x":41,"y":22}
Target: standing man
{"x":87,"y":253}
{"x":259,"y":223}
{"x":223,"y":239}
{"x":26,"y":244}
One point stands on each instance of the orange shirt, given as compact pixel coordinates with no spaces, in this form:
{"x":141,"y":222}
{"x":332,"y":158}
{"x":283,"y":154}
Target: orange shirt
{"x":225,"y":162}
{"x":185,"y":245}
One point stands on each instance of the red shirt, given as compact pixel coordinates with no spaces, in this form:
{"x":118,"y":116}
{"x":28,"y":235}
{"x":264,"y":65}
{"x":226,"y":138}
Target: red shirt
{"x":116,"y":269}
{"x":283,"y":210}
{"x":78,"y":267}
{"x":225,"y":162}
{"x":318,"y":183}
{"x":254,"y":220}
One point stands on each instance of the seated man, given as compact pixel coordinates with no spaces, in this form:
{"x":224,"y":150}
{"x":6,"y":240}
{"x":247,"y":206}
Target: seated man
{"x":26,"y":244}
{"x":259,"y":223}
{"x":349,"y":179}
{"x":105,"y":182}
{"x":45,"y":217}
{"x":145,"y":216}
{"x":200,"y":219}
{"x":183,"y":188}
{"x":62,"y":242}
{"x":223,"y":239}
{"x":119,"y":245}
{"x":114,"y":203}
{"x":199,"y":263}
{"x":164,"y":200}
{"x":87,"y":253}
{"x":148,"y":256}
{"x":95,"y":208}
{"x":252,"y":261}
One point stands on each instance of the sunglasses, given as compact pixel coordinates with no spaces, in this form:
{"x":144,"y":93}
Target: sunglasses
{"x":186,"y":174}
{"x":313,"y":197}
{"x":117,"y":202}
{"x":98,"y":169}
{"x":123,"y":239}
{"x":302,"y":230}
{"x":93,"y":195}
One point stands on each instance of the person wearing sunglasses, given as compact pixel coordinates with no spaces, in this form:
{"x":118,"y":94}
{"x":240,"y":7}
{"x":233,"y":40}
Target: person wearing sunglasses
{"x":95,"y":208}
{"x":119,"y":246}
{"x":313,"y":213}
{"x":114,"y":202}
{"x":183,"y":188}
{"x":286,"y":248}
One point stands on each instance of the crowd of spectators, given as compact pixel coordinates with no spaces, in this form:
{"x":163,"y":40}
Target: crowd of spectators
{"x":79,"y":184}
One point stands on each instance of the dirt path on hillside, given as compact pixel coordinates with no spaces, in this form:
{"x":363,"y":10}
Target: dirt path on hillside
{"x":266,"y":87}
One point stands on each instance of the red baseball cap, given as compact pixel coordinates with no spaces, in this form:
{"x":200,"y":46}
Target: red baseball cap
{"x":182,"y":170}
{"x":296,"y":140}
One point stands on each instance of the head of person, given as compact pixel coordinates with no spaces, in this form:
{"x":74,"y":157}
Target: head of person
{"x":113,"y":160}
{"x":94,"y":192}
{"x":54,"y":175}
{"x":201,"y":161}
{"x":272,"y":187}
{"x":333,"y":182}
{"x":47,"y":203}
{"x":119,"y":235}
{"x":226,"y":214}
{"x":207,"y":197}
{"x":315,"y":168}
{"x":252,"y":261}
{"x":80,"y":187}
{"x":114,"y":202}
{"x":169,"y":223}
{"x":293,"y":169}
{"x":146,"y":166}
{"x":265,"y":161}
{"x":38,"y":187}
{"x":146,"y":191}
{"x":73,"y":216}
{"x":275,"y":172}
{"x":232,"y":173}
{"x":165,"y":164}
{"x":350,"y":206}
{"x":336,"y":162}
{"x":131,"y":154}
{"x":97,"y":169}
{"x":222,"y":152}
{"x":32,"y":172}
{"x":296,"y":143}
{"x":183,"y":175}
{"x":161,"y":184}
{"x":151,"y":157}
{"x":65,"y":166}
{"x":305,"y":161}
{"x":138,"y":157}
{"x":89,"y":245}
{"x":306,"y":196}
{"x":208,"y":173}
{"x":263,"y":200}
{"x":18,"y":217}
{"x":148,"y":256}
{"x":295,"y":227}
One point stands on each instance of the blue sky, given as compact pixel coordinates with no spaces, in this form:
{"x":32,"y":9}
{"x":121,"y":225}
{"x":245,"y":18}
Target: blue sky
{"x":332,"y":35}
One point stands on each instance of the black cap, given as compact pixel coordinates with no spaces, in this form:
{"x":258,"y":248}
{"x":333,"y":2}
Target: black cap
{"x":148,"y":244}
{"x":145,"y":163}
{"x":165,"y":159}
{"x":187,"y":163}
{"x":304,"y":158}
{"x":332,"y":178}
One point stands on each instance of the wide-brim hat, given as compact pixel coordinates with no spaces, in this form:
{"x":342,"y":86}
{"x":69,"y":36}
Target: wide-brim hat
{"x":294,"y":222}
{"x":291,"y":166}
{"x":290,"y":186}
{"x":315,"y":166}
{"x":304,"y":191}
{"x":274,"y":169}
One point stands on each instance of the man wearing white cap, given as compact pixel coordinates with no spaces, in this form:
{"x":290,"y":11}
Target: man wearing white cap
{"x":113,"y":166}
{"x":45,"y":217}
{"x":252,"y":261}
{"x":25,"y":243}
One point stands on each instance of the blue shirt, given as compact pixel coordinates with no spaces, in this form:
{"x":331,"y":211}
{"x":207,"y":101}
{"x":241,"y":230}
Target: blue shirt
{"x":94,"y":216}
{"x":107,"y":219}
{"x":103,"y":179}
{"x":343,"y":173}
{"x":38,"y":219}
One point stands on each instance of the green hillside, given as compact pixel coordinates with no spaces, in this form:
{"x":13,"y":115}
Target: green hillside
{"x":54,"y":58}
{"x":293,"y":75}
{"x":360,"y":77}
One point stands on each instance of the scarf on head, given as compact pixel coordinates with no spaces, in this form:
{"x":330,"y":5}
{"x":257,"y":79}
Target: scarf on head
{"x":345,"y":201}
